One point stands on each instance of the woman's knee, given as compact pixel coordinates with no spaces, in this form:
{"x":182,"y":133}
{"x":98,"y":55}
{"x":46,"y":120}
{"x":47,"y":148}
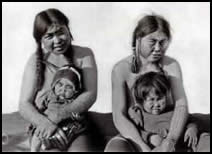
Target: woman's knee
{"x":204,"y":143}
{"x":119,"y":145}
{"x":83,"y":143}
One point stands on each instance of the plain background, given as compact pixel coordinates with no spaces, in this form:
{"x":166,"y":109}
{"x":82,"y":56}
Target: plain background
{"x":107,"y":28}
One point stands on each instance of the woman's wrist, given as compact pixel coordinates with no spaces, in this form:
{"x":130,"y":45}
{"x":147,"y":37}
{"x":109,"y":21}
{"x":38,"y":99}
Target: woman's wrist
{"x":170,"y":142}
{"x":144,"y":147}
{"x":41,"y":119}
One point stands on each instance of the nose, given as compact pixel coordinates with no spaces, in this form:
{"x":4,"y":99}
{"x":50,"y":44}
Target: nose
{"x":156,"y":104}
{"x":57,"y":40}
{"x":62,"y":90}
{"x":157,"y":47}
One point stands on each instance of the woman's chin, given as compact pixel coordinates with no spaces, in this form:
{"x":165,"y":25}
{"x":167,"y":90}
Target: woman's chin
{"x":58,"y":52}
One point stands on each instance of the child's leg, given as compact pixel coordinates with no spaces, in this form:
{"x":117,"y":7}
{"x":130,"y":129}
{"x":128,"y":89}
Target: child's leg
{"x":35,"y":144}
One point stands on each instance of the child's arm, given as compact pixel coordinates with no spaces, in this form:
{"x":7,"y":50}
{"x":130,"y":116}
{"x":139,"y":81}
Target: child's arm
{"x":135,"y":114}
{"x":43,"y":102}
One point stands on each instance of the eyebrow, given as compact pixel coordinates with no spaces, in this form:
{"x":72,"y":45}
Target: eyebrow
{"x":57,"y":30}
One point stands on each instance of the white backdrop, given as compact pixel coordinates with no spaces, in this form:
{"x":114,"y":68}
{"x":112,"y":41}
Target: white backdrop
{"x":107,"y":28}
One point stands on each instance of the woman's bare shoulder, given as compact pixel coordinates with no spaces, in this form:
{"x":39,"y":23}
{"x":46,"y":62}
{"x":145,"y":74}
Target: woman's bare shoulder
{"x":83,"y":57}
{"x":32,"y":61}
{"x":123,"y":66}
{"x":81,"y":52}
{"x":171,"y":65}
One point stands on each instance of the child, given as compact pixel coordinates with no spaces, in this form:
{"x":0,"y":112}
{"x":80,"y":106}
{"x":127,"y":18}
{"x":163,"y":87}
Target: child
{"x":65,"y":87}
{"x":152,"y":112}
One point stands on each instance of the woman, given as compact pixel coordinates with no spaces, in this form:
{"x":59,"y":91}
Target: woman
{"x":151,"y":39}
{"x":54,"y":50}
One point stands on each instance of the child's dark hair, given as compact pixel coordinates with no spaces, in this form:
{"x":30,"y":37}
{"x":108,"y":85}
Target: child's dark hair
{"x":42,"y":21}
{"x":145,"y":26}
{"x":145,"y":83}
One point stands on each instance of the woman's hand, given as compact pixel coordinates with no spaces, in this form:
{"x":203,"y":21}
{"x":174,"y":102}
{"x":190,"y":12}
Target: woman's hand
{"x":191,"y":136}
{"x":167,"y":145}
{"x":45,"y":129}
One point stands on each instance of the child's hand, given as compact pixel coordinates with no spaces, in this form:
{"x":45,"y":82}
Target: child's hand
{"x":191,"y":136}
{"x":135,"y":114}
{"x":45,"y":129}
{"x":155,"y":140}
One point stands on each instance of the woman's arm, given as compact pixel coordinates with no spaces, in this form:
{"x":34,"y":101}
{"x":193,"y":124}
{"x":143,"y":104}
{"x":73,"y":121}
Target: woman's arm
{"x":86,"y":99}
{"x":180,"y":115}
{"x":26,"y":105}
{"x":28,"y":93}
{"x":119,"y":107}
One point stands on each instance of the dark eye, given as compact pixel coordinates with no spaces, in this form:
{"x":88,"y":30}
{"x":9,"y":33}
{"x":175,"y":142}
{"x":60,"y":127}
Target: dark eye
{"x":152,"y":42}
{"x":162,"y":42}
{"x":69,"y":87}
{"x":152,"y":99}
{"x":160,"y":98}
{"x":48,"y":36}
{"x":60,"y":32}
{"x":59,"y":84}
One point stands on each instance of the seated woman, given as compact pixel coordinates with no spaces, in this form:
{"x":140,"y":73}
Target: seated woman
{"x":54,"y":50}
{"x":151,"y":39}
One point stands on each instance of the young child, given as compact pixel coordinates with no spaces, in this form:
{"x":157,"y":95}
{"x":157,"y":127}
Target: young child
{"x":65,"y":87}
{"x":152,"y":112}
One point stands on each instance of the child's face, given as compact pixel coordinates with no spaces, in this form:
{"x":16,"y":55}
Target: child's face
{"x":64,"y":88}
{"x":154,"y":104}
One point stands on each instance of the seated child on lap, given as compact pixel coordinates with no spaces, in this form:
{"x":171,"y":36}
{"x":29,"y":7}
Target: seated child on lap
{"x":152,"y":113}
{"x":65,"y":87}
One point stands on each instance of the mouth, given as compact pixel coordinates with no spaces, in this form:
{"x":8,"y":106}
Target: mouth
{"x":156,"y":57}
{"x":59,"y":47}
{"x":157,"y":110}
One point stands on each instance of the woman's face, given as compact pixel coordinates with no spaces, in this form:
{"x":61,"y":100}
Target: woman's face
{"x":57,"y":39}
{"x":152,"y":47}
{"x":154,"y":104}
{"x":64,"y":89}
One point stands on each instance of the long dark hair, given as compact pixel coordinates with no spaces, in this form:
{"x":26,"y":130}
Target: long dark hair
{"x":42,"y":21}
{"x":145,"y":26}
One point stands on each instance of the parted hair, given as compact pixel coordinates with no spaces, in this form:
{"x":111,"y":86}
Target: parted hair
{"x":42,"y":22}
{"x":148,"y":24}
